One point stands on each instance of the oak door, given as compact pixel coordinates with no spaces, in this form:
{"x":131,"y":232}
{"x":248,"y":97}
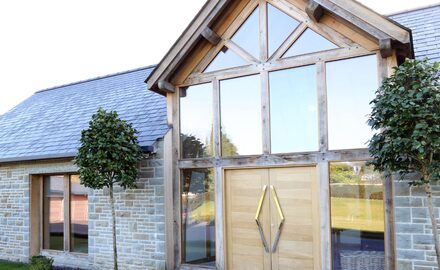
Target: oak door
{"x":272,"y":219}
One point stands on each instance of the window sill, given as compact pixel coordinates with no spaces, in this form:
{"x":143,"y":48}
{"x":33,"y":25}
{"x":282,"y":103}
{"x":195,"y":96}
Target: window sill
{"x":68,"y":259}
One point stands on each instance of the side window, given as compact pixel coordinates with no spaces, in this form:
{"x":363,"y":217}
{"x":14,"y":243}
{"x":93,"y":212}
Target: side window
{"x":357,"y":215}
{"x":65,"y":203}
{"x":198,"y":217}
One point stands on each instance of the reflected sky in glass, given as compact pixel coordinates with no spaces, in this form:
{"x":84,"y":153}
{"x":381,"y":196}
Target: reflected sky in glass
{"x":350,"y":88}
{"x":241,"y":114}
{"x":196,"y":117}
{"x":280,"y":26}
{"x":225,"y":60}
{"x":293,"y":109}
{"x":309,"y":42}
{"x":248,"y":35}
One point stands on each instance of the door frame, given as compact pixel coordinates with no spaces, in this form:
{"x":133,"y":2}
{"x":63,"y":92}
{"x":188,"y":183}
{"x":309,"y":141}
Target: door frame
{"x":323,"y":206}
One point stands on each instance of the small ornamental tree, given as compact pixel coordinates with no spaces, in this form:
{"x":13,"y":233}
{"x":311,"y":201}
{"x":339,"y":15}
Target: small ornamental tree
{"x":109,"y":155}
{"x":406,"y":114}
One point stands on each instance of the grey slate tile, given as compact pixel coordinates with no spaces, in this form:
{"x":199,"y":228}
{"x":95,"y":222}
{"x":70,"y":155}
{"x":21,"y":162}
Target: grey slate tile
{"x":50,"y":121}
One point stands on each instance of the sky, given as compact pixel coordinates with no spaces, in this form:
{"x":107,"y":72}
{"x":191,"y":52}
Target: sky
{"x":47,"y":43}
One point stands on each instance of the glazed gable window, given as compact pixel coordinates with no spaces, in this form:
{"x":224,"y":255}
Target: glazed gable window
{"x":65,"y":214}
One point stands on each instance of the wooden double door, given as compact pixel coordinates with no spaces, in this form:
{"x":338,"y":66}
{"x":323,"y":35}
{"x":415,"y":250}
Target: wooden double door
{"x":272,"y":219}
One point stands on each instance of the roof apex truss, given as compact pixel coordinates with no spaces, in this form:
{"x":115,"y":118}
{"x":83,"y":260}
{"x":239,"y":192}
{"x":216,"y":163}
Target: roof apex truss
{"x":388,"y":34}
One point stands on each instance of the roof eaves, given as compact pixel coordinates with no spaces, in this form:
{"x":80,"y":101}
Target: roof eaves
{"x":37,"y":157}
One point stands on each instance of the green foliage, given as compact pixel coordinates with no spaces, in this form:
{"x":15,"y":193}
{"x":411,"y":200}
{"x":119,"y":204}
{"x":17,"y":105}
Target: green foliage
{"x":192,"y":147}
{"x":109,"y":152}
{"x":343,"y":173}
{"x":406,"y":112}
{"x":41,"y":263}
{"x":228,"y":148}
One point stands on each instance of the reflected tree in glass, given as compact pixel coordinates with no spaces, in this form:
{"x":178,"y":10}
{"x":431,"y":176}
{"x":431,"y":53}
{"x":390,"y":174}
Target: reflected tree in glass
{"x":198,"y":216}
{"x":196,"y":116}
{"x":240,"y":113}
{"x":357,"y":216}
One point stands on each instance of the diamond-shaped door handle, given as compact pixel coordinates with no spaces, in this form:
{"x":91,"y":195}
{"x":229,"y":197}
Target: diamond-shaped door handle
{"x":257,"y":219}
{"x":280,"y":213}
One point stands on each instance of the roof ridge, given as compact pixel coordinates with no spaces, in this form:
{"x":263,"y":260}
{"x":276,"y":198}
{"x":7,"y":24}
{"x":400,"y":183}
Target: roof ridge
{"x":96,"y":78}
{"x":413,"y":9}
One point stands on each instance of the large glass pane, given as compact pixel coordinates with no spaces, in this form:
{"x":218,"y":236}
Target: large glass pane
{"x":198,"y":217}
{"x":280,"y":26}
{"x":351,"y":85}
{"x":196,"y":121}
{"x":240,"y":101}
{"x":357,"y":216}
{"x":248,"y":35}
{"x":226,"y":58}
{"x":309,"y":42}
{"x":53,"y":212}
{"x":79,"y":216}
{"x":293,"y":110}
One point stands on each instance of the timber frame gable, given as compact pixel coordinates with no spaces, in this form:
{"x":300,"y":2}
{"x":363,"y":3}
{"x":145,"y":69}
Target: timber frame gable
{"x":346,"y":23}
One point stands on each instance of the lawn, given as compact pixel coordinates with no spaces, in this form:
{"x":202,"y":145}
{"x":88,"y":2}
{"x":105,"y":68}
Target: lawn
{"x":357,"y":214}
{"x":13,"y":266}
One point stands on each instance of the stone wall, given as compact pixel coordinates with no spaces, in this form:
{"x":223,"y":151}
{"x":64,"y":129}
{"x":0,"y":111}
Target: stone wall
{"x":140,"y":223}
{"x":140,"y":218}
{"x":415,"y":245}
{"x":14,"y":205}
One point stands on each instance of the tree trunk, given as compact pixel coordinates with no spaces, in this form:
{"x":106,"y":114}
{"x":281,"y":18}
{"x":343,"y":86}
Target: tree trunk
{"x":115,"y":252}
{"x":428,"y":190}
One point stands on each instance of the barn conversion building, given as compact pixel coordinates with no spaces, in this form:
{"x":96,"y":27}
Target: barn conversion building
{"x":254,"y":132}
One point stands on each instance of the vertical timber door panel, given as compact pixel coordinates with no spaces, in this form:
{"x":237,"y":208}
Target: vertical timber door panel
{"x":298,"y":196}
{"x":244,"y":246}
{"x":291,"y":193}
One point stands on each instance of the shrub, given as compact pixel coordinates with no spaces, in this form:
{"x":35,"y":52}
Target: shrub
{"x":41,"y":263}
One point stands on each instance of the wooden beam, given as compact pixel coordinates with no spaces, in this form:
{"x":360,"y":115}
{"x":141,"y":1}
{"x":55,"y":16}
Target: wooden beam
{"x":386,"y":47}
{"x":166,"y":86}
{"x":315,"y":11}
{"x":211,"y":36}
{"x":353,"y":19}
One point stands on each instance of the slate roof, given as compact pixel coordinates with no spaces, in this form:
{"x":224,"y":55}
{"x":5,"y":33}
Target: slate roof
{"x":425,"y":26}
{"x":49,"y":123}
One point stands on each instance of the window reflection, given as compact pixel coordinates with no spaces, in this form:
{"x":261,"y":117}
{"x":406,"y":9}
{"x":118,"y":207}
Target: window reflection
{"x":196,"y":121}
{"x":53,"y":213}
{"x":240,"y":101}
{"x":280,"y":26}
{"x":357,"y":216}
{"x":225,"y":59}
{"x":198,"y":216}
{"x":78,"y":216}
{"x":351,"y":85}
{"x":309,"y":42}
{"x":248,"y":35}
{"x":293,"y":110}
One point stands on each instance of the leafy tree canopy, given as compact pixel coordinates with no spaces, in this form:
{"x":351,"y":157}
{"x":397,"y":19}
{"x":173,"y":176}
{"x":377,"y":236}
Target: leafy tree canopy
{"x":109,"y":152}
{"x":406,"y":113}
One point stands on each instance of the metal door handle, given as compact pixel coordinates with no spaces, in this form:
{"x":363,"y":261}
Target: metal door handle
{"x":280,"y":213}
{"x":257,"y":216}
